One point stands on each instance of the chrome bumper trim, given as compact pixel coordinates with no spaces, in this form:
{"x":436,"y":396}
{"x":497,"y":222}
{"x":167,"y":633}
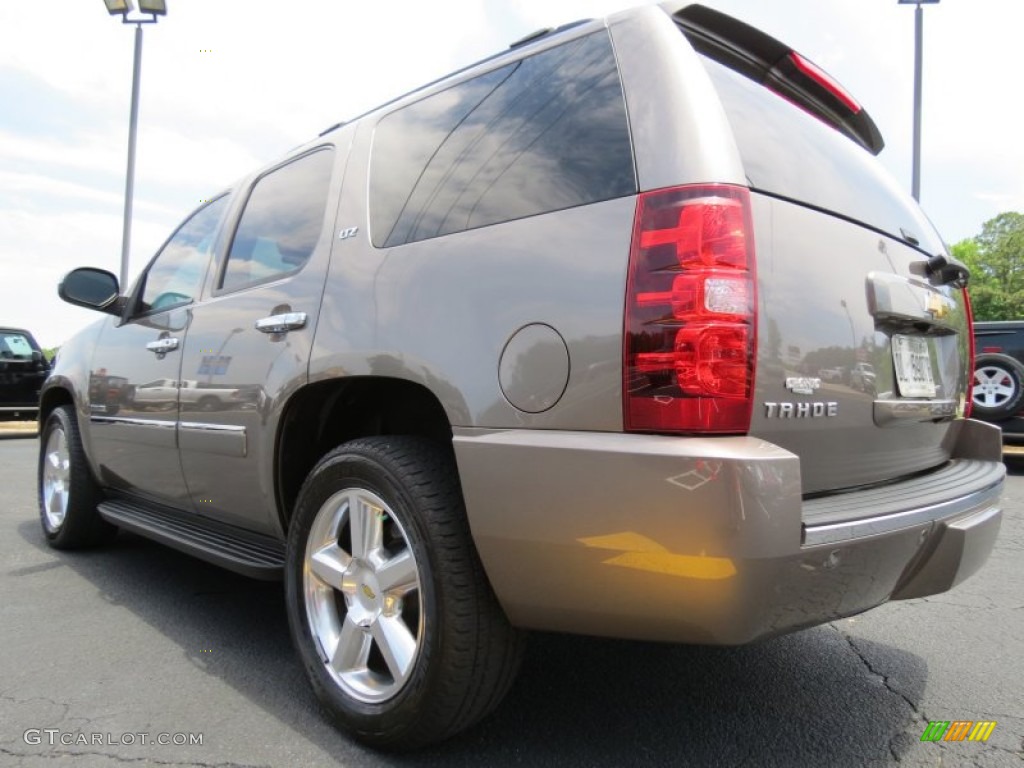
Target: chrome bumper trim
{"x":816,"y":535}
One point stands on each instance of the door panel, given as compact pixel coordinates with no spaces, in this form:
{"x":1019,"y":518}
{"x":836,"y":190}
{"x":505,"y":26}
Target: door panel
{"x":133,"y":415}
{"x":236,"y":377}
{"x":135,"y":376}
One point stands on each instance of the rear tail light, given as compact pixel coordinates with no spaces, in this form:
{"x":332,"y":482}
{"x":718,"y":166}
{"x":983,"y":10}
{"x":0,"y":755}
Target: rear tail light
{"x":969,"y":404}
{"x":690,"y":335}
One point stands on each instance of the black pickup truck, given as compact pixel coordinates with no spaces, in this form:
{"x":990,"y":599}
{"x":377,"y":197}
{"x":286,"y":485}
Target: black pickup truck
{"x":23,"y":369}
{"x":999,"y":373}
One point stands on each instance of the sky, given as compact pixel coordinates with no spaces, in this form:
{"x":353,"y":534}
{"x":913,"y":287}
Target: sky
{"x":230,"y":85}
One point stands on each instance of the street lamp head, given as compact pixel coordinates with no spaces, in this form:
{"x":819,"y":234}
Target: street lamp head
{"x":118,"y":6}
{"x":917,"y":2}
{"x":155,"y":7}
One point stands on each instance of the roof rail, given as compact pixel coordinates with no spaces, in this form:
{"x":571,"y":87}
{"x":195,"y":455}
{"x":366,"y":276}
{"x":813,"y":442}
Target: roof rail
{"x":332,"y":128}
{"x":542,"y":33}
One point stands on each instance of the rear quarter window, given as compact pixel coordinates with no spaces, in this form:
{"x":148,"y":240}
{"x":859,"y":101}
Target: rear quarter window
{"x":545,"y":133}
{"x":789,"y":153}
{"x":282,"y":222}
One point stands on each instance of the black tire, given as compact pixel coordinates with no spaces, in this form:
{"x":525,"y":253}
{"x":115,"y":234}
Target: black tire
{"x":68,"y":493}
{"x":998,"y":391}
{"x":466,"y":653}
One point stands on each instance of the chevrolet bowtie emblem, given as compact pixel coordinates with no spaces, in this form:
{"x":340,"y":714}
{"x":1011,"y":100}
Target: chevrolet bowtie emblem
{"x":369,"y":592}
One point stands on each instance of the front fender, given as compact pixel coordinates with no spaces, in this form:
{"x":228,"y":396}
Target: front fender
{"x":68,"y":382}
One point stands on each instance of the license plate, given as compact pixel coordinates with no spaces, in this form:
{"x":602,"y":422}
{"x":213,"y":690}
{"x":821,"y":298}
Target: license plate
{"x":913,"y":364}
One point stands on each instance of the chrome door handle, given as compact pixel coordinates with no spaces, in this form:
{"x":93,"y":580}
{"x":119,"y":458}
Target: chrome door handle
{"x":162,"y":346}
{"x":288,"y":321}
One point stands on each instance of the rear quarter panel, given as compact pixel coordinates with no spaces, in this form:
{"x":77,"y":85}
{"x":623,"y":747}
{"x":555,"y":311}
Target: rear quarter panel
{"x":439,"y":312}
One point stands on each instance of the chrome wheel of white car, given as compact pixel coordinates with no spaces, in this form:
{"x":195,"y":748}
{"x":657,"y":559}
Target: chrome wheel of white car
{"x":363,"y":595}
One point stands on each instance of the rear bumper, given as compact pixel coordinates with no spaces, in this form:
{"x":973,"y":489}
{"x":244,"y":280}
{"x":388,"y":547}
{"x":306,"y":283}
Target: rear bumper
{"x":708,"y":540}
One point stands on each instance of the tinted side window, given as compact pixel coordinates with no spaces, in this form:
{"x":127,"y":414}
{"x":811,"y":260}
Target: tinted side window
{"x":282,"y":222}
{"x":788,"y":152}
{"x":546,"y":133}
{"x":176,"y":274}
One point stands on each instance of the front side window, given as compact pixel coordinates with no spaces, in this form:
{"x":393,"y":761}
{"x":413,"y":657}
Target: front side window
{"x":176,"y":274}
{"x":15,"y":346}
{"x":546,"y":133}
{"x":281,"y":224}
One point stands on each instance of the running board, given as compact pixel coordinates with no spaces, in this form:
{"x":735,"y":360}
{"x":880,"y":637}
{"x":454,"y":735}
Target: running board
{"x":253,"y":555}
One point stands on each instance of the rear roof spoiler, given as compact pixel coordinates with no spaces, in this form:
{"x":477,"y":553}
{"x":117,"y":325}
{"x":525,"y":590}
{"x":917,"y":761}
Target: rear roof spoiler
{"x":778,"y":67}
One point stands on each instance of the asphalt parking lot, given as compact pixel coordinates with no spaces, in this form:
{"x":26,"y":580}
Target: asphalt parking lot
{"x":135,"y":641}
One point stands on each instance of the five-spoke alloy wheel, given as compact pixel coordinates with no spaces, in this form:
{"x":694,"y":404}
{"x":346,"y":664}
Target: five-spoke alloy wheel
{"x":363,"y":595}
{"x":55,"y":480}
{"x":68,"y":494}
{"x":392,"y":615}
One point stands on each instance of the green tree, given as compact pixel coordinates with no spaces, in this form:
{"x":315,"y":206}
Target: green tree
{"x":996,"y":260}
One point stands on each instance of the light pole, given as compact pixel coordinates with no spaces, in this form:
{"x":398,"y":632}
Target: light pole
{"x":154,"y":8}
{"x":915,"y":183}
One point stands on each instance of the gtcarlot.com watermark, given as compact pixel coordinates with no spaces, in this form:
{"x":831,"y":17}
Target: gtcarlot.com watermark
{"x":54,"y":737}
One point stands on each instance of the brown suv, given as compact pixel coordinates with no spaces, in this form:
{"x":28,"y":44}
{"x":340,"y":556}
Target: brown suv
{"x":542,"y":345}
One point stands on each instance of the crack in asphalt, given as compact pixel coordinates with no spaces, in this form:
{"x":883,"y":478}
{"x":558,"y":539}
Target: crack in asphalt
{"x":62,"y":753}
{"x":918,"y":713}
{"x":884,"y":678}
{"x":21,"y":701}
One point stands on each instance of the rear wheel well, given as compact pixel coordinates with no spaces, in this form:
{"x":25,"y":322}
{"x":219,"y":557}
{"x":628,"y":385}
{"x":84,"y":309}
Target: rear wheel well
{"x":322,"y":416}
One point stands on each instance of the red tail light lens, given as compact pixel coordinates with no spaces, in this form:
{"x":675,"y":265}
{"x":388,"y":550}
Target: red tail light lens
{"x":690,"y":335}
{"x":969,"y":404}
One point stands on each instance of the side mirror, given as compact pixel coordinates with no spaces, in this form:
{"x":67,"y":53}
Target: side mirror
{"x":91,"y":288}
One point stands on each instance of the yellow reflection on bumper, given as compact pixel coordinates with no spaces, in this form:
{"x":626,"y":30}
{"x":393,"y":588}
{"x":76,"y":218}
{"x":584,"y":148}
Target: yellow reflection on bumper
{"x":644,"y":554}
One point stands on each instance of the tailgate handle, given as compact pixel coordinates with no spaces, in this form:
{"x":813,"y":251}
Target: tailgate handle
{"x":899,"y":302}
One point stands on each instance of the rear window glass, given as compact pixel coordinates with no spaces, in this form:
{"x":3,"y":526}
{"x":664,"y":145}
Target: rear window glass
{"x":543,"y":134}
{"x":789,"y":153}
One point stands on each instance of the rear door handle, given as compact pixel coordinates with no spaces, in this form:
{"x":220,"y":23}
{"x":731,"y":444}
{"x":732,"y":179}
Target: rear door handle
{"x":288,"y":321}
{"x":162,"y":346}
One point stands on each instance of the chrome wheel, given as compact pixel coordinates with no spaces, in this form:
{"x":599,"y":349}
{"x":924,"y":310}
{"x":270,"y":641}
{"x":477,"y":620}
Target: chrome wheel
{"x":993,"y":386}
{"x":362,"y":595}
{"x":56,"y":479}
